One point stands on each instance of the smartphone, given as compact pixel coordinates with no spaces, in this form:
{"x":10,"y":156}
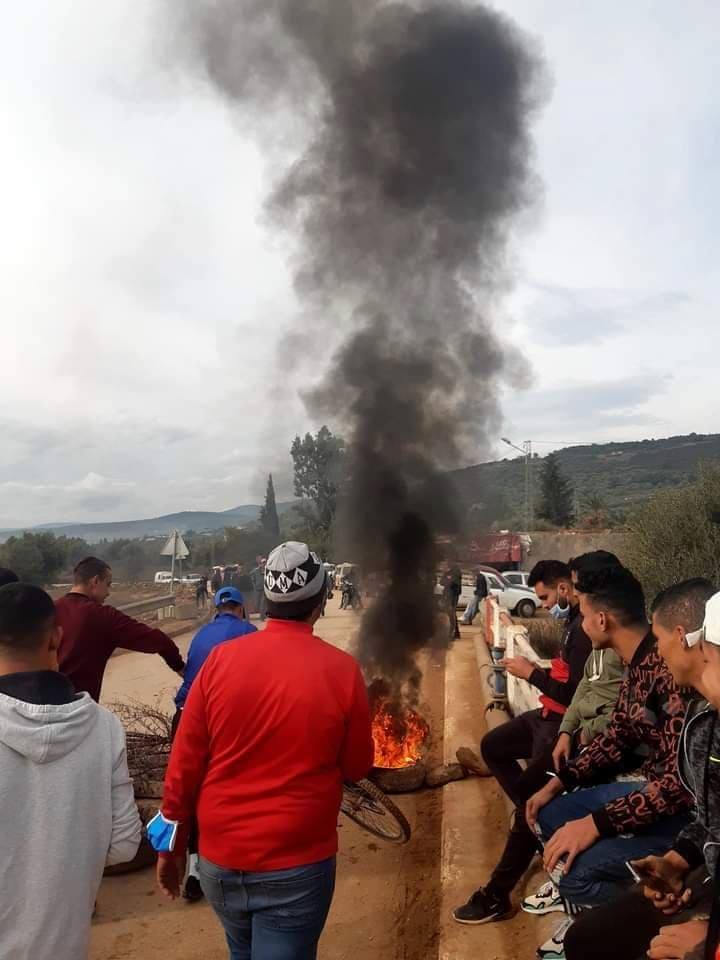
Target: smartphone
{"x":648,"y":880}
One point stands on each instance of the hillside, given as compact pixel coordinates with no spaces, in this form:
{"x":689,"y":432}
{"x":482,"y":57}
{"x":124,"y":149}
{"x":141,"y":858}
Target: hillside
{"x":620,"y":474}
{"x":198,"y":520}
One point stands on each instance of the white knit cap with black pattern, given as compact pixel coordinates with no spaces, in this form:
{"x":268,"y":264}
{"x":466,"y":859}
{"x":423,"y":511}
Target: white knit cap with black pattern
{"x":293,"y":572}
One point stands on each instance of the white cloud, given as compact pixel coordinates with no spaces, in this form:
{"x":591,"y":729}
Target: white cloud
{"x":142,"y":296}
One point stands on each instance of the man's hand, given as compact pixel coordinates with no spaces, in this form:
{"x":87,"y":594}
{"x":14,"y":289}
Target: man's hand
{"x":519,"y":667}
{"x":561,"y":753}
{"x":541,"y":799}
{"x":569,"y":842}
{"x":679,"y":941}
{"x":169,"y":873}
{"x":665,"y":881}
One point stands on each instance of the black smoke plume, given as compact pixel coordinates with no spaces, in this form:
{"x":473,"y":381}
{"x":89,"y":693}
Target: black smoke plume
{"x":417,"y":162}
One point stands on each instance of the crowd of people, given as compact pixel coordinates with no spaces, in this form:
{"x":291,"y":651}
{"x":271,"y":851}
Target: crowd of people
{"x":613,"y":778}
{"x":617,"y":791}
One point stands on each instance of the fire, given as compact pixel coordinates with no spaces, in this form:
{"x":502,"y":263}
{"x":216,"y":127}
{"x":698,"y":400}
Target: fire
{"x":399,"y":734}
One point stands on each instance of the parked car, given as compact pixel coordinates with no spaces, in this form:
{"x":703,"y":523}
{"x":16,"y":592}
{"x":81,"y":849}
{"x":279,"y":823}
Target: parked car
{"x":191,"y":578}
{"x":164,"y":576}
{"x":518,"y":578}
{"x":517,"y":600}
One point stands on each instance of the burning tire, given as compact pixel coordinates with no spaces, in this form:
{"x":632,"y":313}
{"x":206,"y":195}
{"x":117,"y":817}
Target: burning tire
{"x":367,"y":805}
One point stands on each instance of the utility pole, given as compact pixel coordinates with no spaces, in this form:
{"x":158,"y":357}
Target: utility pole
{"x":526,"y":451}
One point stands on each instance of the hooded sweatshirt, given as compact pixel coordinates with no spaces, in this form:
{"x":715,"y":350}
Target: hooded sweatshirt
{"x":68,"y":810}
{"x":596,"y":696}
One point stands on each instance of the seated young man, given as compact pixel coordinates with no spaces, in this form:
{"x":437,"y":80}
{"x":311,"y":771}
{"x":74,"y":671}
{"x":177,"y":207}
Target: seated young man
{"x":533,"y":736}
{"x":674,"y":923}
{"x":591,"y":833}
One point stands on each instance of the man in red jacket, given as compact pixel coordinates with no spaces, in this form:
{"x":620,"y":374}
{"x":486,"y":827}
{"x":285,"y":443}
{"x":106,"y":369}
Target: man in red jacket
{"x":92,"y":632}
{"x":273,"y":725}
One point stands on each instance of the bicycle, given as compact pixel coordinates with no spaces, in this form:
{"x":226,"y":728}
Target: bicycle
{"x":366,"y":804}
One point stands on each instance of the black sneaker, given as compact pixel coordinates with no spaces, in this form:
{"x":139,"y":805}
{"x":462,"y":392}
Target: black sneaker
{"x":483,"y":907}
{"x":193,"y":891}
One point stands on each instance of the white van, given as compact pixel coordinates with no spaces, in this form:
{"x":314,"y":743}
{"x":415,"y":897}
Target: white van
{"x":163,"y":576}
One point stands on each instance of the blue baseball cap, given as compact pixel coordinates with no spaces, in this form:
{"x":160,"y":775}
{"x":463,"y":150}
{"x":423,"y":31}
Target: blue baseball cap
{"x":229,"y":595}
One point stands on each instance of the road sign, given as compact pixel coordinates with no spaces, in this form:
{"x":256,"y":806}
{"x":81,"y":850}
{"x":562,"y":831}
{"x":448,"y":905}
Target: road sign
{"x":175,"y":547}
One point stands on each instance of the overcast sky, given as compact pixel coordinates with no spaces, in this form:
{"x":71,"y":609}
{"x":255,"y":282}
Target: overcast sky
{"x":142,"y":299}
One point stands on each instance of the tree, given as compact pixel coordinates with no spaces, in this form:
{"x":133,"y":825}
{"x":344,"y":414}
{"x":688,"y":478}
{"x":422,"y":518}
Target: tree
{"x":35,"y":557}
{"x":676,"y":534}
{"x":319,"y":464}
{"x":269,"y":520}
{"x":556,"y":498}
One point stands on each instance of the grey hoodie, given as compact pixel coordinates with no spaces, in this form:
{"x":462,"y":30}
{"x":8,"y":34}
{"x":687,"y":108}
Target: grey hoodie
{"x":68,"y":809}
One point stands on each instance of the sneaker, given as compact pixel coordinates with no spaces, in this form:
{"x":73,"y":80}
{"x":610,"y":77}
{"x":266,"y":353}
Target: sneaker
{"x":193,"y":891}
{"x":546,"y":899}
{"x":554,"y":948}
{"x":483,"y":907}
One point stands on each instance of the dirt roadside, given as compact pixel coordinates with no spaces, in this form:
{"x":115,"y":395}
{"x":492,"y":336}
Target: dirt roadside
{"x":387,"y":898}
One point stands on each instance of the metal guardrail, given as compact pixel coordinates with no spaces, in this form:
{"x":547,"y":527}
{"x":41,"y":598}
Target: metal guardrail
{"x":147,"y":606}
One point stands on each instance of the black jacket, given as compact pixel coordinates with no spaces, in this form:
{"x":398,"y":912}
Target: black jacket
{"x":481,"y":587}
{"x":575,"y":648}
{"x":699,"y":768}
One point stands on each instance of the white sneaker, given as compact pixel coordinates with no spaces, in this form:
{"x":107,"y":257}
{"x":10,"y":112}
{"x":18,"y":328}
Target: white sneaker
{"x":546,"y":899}
{"x":554,"y":948}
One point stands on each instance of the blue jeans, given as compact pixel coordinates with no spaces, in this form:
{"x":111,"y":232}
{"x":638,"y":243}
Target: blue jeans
{"x":472,"y":609}
{"x":599,"y":874}
{"x":278,"y":915}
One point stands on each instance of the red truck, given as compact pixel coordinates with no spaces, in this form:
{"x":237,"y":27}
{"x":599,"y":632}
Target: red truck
{"x":504,"y":551}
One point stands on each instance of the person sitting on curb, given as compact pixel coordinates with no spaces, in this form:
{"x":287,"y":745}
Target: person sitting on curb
{"x":543,"y":737}
{"x":273,"y":725}
{"x":67,"y":798}
{"x":92,"y":630}
{"x":674,"y":923}
{"x":229,"y":623}
{"x":591,"y":833}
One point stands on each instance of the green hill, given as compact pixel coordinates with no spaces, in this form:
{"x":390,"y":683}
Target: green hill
{"x":618,"y":474}
{"x":200,"y":521}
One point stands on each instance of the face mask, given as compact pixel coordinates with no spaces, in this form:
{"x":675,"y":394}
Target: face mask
{"x":560,"y":613}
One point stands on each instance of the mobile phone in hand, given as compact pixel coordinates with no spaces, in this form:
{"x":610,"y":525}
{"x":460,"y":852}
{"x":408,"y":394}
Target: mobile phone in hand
{"x":649,"y":879}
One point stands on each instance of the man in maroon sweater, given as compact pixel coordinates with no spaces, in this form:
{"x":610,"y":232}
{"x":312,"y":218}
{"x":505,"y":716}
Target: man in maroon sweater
{"x":92,"y":631}
{"x":273,"y":725}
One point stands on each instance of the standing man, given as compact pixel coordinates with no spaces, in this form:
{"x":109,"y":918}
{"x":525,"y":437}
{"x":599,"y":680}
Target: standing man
{"x":453,"y":589}
{"x":228,"y":624}
{"x":480,"y":593}
{"x":92,"y":631}
{"x":67,"y":797}
{"x":257,"y":575}
{"x":273,"y":725}
{"x":201,"y":592}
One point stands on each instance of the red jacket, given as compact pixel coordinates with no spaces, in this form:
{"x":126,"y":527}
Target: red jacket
{"x":273,"y":725}
{"x":91,"y":634}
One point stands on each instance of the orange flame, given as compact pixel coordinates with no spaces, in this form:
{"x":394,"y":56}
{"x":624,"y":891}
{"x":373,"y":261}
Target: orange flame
{"x":399,"y":734}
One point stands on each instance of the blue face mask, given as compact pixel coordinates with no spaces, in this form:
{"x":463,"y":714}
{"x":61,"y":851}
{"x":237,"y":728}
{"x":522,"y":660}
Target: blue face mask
{"x":162,"y":833}
{"x":560,"y":613}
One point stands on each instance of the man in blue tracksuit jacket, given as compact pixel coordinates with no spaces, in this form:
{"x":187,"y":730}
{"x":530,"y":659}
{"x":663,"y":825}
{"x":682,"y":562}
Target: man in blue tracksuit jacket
{"x":229,"y":623}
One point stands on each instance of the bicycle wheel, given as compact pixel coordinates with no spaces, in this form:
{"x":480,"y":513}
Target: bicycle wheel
{"x":366,"y":804}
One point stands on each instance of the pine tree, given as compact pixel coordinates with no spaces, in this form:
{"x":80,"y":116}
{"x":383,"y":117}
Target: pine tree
{"x":557,"y":494}
{"x":269,"y":520}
